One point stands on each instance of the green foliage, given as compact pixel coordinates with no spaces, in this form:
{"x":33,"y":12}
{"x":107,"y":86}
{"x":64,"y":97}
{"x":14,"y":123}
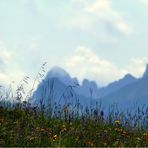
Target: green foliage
{"x":29,"y":127}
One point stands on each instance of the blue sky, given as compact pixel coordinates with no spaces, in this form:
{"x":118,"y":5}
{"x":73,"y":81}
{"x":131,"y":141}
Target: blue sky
{"x":97,"y":39}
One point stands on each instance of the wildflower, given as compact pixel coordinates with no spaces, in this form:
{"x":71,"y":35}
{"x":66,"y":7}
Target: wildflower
{"x":42,"y":129}
{"x":138,"y":138}
{"x":118,"y":130}
{"x":54,"y":138}
{"x":37,"y":129}
{"x":77,"y":138}
{"x":63,"y":128}
{"x":116,"y":143}
{"x":121,"y":145}
{"x":105,"y":144}
{"x":117,"y":121}
{"x":145,"y":136}
{"x":89,"y":143}
{"x":32,"y":138}
{"x":125,"y":134}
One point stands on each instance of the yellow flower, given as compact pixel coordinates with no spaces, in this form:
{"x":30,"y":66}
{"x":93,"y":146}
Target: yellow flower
{"x":145,"y":136}
{"x":54,"y":138}
{"x":77,"y":138}
{"x":32,"y":138}
{"x":63,"y":129}
{"x":37,"y":129}
{"x":117,"y":121}
{"x":42,"y":129}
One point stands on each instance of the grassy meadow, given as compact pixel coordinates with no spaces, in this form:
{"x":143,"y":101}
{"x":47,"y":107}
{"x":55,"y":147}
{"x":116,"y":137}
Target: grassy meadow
{"x":23,"y":125}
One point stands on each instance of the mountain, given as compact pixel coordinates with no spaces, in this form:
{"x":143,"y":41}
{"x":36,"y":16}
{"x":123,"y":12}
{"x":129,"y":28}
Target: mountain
{"x":113,"y":87}
{"x":61,"y":74}
{"x":146,"y":72}
{"x":88,"y":89}
{"x":53,"y":90}
{"x":58,"y":87}
{"x":127,"y":96}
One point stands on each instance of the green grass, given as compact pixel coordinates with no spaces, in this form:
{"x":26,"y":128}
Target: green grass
{"x":30,"y":127}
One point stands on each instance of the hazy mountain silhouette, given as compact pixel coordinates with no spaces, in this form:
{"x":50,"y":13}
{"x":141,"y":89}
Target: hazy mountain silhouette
{"x":59,"y":87}
{"x":88,"y":89}
{"x":114,"y":86}
{"x":133,"y":93}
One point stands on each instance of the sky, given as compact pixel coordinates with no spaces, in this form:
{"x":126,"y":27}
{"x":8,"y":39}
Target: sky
{"x":101,"y":40}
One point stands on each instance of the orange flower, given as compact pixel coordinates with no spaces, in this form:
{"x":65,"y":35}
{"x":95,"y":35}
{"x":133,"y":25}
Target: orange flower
{"x":89,"y":143}
{"x":125,"y":134}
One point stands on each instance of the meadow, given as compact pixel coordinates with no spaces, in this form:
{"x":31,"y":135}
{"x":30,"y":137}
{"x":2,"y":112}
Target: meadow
{"x":23,"y":124}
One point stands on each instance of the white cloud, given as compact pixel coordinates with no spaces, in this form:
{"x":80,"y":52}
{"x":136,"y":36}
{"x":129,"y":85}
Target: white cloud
{"x":137,"y":66}
{"x":11,"y":70}
{"x":84,"y":63}
{"x":145,"y":1}
{"x":88,"y":14}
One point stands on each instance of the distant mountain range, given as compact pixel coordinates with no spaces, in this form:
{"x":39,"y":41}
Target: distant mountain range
{"x":134,"y":92}
{"x":60,"y":88}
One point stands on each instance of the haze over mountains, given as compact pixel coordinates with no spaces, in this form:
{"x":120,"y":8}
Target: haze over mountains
{"x":59,"y":87}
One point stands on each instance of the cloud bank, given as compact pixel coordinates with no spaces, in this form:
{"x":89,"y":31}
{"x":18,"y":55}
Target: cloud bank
{"x":84,"y":63}
{"x":98,"y":14}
